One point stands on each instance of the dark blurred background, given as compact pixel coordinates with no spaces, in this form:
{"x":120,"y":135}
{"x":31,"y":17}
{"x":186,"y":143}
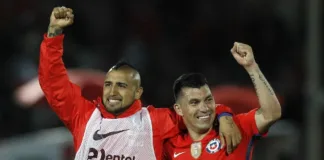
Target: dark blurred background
{"x":165,"y":39}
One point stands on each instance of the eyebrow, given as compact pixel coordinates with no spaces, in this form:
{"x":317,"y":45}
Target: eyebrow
{"x":194,"y":99}
{"x":209,"y":96}
{"x":116,"y":82}
{"x":122,"y":83}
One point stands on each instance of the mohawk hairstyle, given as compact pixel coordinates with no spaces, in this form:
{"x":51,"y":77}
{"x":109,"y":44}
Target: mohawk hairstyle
{"x":192,"y":80}
{"x":122,"y":63}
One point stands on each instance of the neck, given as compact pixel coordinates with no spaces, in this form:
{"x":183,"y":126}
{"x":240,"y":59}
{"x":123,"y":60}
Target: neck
{"x":198,"y":135}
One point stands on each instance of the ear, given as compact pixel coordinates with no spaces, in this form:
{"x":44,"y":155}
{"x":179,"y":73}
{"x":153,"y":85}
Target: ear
{"x":178,"y":109}
{"x":138,"y":93}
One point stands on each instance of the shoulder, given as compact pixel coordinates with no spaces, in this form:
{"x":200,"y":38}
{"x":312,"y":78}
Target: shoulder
{"x":246,"y":121}
{"x":179,"y":141}
{"x":160,"y":112}
{"x":248,"y":116}
{"x":152,"y":108}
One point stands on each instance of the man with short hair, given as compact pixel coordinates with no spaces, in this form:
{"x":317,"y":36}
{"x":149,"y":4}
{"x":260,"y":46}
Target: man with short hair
{"x":196,"y":105}
{"x":115,"y":126}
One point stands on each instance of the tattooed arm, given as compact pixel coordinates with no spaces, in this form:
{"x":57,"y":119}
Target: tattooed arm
{"x":270,"y":110}
{"x":54,"y":31}
{"x":61,"y":17}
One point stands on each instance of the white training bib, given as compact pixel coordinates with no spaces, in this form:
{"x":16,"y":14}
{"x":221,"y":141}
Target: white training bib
{"x":129,"y":138}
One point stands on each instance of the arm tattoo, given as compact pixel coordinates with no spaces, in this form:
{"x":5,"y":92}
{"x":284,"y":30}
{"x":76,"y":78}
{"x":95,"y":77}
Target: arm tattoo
{"x":259,"y":111}
{"x":253,"y":81}
{"x":261,"y":77}
{"x":229,"y":121}
{"x":54,"y":32}
{"x":264,"y":81}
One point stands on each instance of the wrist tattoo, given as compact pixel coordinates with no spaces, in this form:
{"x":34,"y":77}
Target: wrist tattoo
{"x":54,"y":32}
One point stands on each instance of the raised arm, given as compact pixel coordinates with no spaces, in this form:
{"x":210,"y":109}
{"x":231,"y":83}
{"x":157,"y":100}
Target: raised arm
{"x":63,"y":96}
{"x":270,"y":110}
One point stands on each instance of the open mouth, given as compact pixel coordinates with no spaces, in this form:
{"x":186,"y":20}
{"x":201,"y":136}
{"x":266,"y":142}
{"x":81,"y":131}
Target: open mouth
{"x":114,"y":101}
{"x":204,"y":117}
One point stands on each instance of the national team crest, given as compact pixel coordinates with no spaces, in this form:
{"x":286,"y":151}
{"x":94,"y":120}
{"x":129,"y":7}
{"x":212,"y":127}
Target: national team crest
{"x":195,"y":149}
{"x":213,"y":146}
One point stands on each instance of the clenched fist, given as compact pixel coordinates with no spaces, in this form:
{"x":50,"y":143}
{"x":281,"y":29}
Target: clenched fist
{"x":61,"y":17}
{"x":243,"y":54}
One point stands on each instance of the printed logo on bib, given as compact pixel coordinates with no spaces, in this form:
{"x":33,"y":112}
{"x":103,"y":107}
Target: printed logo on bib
{"x":94,"y":154}
{"x":213,"y":146}
{"x":97,"y":136}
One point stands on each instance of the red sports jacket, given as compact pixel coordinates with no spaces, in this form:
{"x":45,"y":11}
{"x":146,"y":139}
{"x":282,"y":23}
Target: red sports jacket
{"x":98,"y":134}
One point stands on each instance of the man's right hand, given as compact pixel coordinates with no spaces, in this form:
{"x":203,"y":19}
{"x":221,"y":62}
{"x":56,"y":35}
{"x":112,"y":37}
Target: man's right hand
{"x":61,"y":17}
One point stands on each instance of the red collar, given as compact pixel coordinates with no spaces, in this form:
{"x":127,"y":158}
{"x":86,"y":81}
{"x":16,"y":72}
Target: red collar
{"x":136,"y":106}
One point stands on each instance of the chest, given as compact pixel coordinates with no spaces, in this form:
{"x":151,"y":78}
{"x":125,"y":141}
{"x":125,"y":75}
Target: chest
{"x":129,"y":137}
{"x":199,"y":150}
{"x":210,"y":150}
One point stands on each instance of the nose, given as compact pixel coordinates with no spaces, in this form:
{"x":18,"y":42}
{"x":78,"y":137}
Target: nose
{"x":204,"y":108}
{"x":113,"y":91}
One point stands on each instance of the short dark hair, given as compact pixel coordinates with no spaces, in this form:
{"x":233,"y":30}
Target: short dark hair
{"x":122,"y":63}
{"x":192,"y":80}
